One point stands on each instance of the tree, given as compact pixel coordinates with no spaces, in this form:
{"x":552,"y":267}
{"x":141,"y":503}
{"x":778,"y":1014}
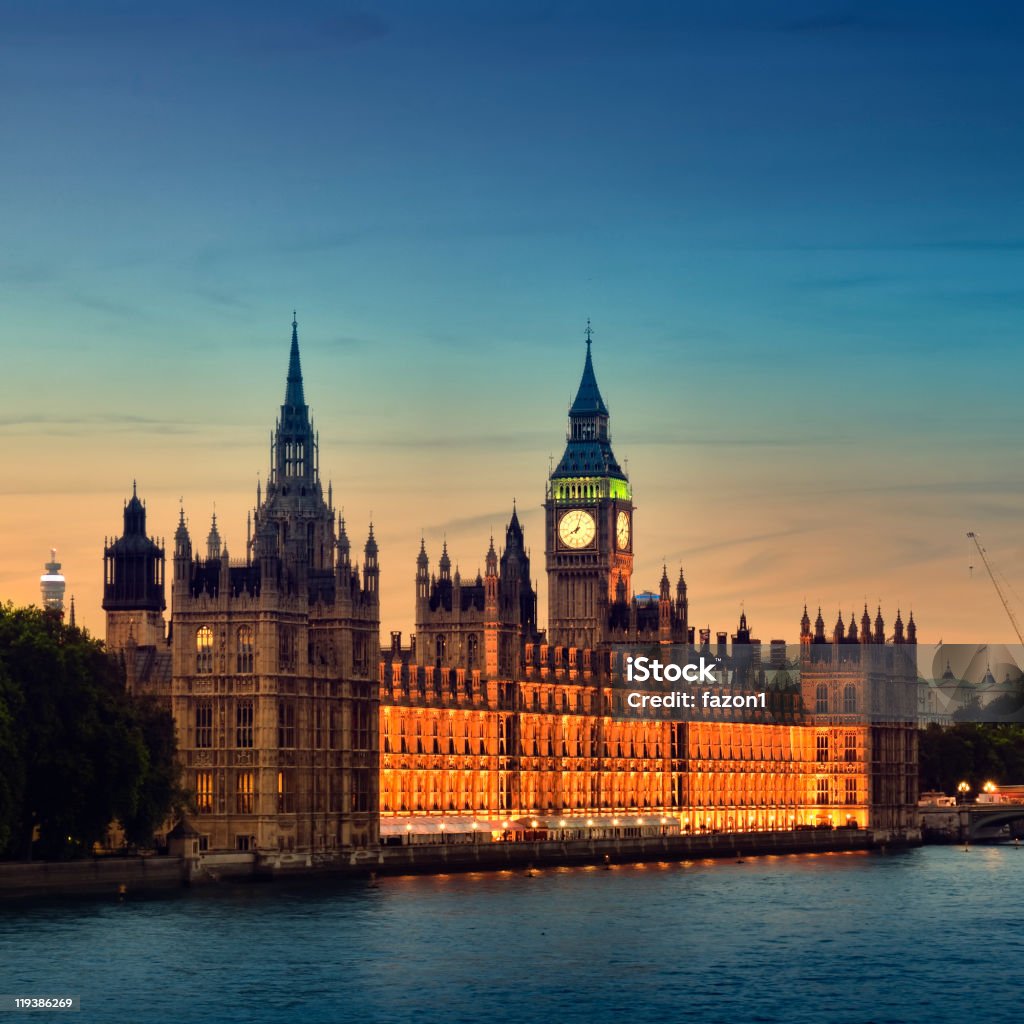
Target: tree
{"x":975,"y":752}
{"x":80,"y":751}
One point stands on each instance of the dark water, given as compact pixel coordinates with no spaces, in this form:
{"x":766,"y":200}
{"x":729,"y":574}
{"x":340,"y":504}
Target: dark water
{"x":932,"y":934}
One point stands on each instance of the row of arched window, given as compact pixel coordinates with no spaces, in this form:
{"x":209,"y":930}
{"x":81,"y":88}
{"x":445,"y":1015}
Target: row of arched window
{"x":245,"y":650}
{"x":821,"y":701}
{"x":566,"y":491}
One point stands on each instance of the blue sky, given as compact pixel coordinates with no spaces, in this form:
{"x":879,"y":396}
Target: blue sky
{"x":797,"y":229}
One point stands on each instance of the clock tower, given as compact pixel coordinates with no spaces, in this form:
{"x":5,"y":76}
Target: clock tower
{"x":589,"y":524}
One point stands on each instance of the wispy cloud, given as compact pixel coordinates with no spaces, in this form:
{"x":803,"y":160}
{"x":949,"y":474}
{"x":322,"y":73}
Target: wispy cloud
{"x":108,"y":422}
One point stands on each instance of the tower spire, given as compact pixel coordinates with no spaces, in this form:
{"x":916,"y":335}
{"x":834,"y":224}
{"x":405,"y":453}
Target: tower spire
{"x":588,"y":401}
{"x":293,"y":395}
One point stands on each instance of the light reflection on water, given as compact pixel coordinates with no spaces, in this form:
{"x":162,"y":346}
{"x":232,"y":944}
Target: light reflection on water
{"x":845,"y":937}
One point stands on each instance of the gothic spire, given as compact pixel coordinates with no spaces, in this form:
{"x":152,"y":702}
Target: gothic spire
{"x":293,"y":395}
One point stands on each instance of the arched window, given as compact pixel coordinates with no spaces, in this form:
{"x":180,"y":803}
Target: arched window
{"x":245,"y":649}
{"x":850,"y":699}
{"x":821,"y":699}
{"x":471,"y":651}
{"x":439,"y":645}
{"x":204,"y":649}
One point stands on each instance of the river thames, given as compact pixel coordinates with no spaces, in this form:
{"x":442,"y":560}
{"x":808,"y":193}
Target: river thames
{"x":931,"y":934}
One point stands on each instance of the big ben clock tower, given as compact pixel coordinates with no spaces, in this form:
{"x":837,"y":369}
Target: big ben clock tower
{"x":589,"y":524}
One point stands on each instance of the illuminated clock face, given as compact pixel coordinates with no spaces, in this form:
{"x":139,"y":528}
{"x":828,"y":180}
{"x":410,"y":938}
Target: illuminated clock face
{"x":576,"y":529}
{"x":622,"y":531}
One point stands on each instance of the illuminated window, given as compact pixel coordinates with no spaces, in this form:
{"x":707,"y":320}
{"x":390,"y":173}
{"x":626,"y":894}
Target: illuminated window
{"x":243,"y":724}
{"x":244,"y":793}
{"x":821,"y":699}
{"x":851,"y":791}
{"x":204,"y":649}
{"x":245,"y":649}
{"x":822,"y":747}
{"x":204,"y":724}
{"x":286,"y":791}
{"x":822,"y":791}
{"x":204,"y":792}
{"x":285,"y":724}
{"x":850,"y":750}
{"x":850,"y":699}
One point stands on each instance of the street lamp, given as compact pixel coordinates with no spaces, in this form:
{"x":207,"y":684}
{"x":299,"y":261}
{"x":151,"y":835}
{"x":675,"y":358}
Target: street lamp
{"x":990,"y":787}
{"x":963,"y":788}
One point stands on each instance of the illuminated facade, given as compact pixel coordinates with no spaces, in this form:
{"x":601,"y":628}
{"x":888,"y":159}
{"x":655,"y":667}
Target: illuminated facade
{"x":532,"y":731}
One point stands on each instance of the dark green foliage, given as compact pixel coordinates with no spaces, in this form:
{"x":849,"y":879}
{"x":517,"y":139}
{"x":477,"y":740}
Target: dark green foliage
{"x":974,"y":752}
{"x":76,"y":751}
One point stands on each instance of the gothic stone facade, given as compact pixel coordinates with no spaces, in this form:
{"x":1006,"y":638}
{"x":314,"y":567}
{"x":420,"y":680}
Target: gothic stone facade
{"x":296,"y":734}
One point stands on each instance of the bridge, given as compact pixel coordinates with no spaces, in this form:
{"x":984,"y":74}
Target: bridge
{"x":970,"y":822}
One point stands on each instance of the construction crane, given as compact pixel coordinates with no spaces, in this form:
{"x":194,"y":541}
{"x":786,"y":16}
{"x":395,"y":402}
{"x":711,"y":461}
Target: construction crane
{"x":995,"y":583}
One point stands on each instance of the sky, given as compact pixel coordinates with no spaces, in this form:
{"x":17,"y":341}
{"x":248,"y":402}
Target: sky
{"x":796,"y":228}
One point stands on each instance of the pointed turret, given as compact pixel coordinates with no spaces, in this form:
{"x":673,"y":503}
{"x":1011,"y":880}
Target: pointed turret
{"x":342,"y":544}
{"x":911,"y":629}
{"x":865,"y":626}
{"x":664,"y":588}
{"x":805,"y":623}
{"x":851,"y":633}
{"x":839,"y":632}
{"x":681,"y":586}
{"x":879,"y":627}
{"x":898,"y":628}
{"x":422,"y":573}
{"x":371,"y":570}
{"x":445,"y":563}
{"x":71,"y":613}
{"x":819,"y":627}
{"x":491,"y":560}
{"x":213,"y":540}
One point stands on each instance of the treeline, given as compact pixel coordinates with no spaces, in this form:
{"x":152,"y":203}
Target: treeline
{"x":76,"y":751}
{"x":972,"y":752}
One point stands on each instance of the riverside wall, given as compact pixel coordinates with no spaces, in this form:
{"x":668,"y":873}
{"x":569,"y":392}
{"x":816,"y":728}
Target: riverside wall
{"x":124,"y":877}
